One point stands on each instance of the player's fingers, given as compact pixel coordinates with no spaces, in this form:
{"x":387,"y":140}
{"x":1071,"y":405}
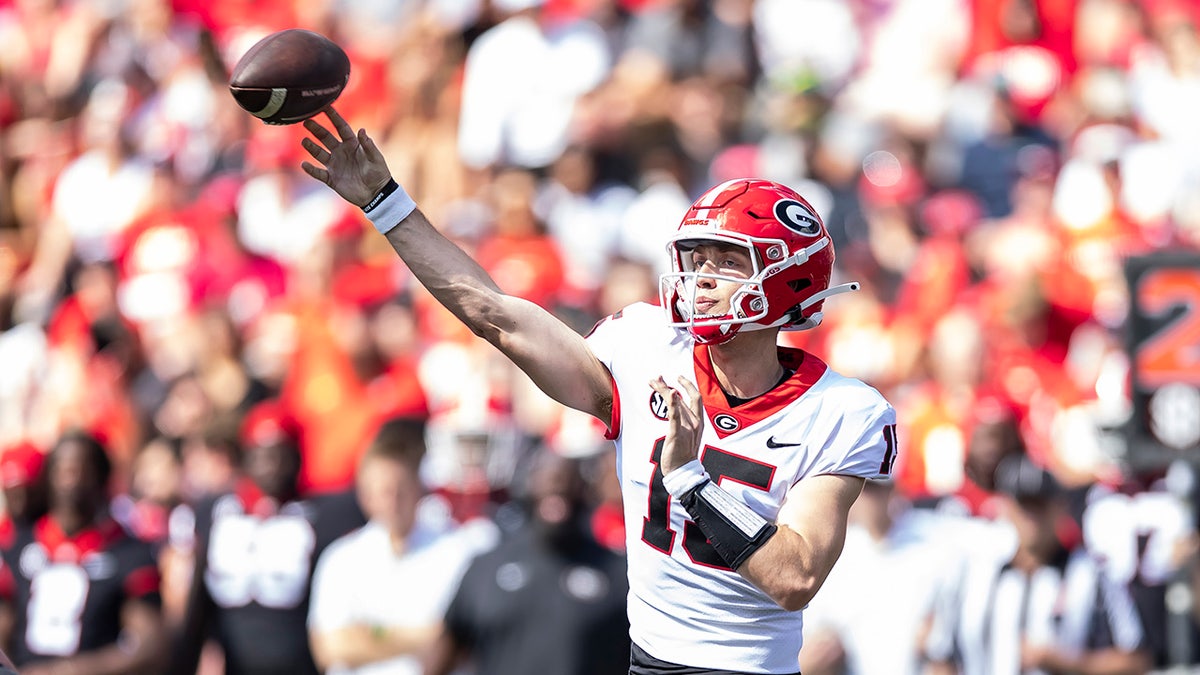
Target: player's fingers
{"x":660,"y":385}
{"x":692,"y":391}
{"x":695,"y":402}
{"x":671,"y":396}
{"x":318,"y":153}
{"x":368,"y":145}
{"x":324,"y":135}
{"x":316,"y":172}
{"x":344,"y":130}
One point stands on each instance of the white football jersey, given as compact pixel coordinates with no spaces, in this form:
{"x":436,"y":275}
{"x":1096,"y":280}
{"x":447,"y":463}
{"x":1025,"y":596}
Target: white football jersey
{"x":685,"y":605}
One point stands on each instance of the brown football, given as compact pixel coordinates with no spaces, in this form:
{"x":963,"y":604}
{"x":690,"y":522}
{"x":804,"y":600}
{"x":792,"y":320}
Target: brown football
{"x":289,"y":76}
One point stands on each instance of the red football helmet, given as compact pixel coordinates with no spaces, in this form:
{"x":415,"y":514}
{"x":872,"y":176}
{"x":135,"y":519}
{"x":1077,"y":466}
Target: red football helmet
{"x":791,"y":251}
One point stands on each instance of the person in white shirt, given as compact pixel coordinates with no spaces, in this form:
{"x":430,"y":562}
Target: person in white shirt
{"x":739,"y":459}
{"x":854,"y":628}
{"x":379,"y":593}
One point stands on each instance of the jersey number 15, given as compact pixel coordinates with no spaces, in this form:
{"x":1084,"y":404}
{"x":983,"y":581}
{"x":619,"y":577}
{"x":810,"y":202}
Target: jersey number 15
{"x":656,"y":526}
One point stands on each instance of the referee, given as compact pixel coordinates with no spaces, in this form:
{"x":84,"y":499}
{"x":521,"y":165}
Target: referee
{"x":1040,"y":607}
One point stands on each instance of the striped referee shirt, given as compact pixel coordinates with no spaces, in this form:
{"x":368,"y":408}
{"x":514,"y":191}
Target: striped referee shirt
{"x":982,"y":620}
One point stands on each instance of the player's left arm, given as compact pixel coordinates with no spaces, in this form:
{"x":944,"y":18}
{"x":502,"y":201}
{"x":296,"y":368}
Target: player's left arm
{"x":788,"y":559}
{"x":811,"y":530}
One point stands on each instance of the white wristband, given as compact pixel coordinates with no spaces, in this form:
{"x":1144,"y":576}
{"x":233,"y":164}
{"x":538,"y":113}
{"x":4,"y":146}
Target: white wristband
{"x":389,"y":207}
{"x":684,"y":478}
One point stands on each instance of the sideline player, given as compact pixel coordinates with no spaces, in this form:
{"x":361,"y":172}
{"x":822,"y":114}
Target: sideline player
{"x":254,"y":553}
{"x":739,"y":458}
{"x":86,"y":594}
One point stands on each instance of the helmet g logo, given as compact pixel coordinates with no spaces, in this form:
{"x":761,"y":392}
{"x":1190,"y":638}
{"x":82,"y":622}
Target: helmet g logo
{"x":797,"y":217}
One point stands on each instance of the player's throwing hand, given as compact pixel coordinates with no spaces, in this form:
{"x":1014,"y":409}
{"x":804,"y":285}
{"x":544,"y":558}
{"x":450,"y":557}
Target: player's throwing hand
{"x":351,"y":164}
{"x":685,"y":422}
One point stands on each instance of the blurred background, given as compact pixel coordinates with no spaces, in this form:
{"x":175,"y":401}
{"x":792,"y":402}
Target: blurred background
{"x":1015,"y":183}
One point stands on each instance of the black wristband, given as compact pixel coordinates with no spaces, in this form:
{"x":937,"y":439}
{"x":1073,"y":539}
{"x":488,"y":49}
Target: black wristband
{"x":383,"y":193}
{"x":732,"y":528}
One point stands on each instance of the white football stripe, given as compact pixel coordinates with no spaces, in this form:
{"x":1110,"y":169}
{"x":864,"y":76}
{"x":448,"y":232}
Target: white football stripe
{"x":278,"y":94}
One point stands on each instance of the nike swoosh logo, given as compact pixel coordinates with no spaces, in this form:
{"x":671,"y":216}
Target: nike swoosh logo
{"x":773,"y":444}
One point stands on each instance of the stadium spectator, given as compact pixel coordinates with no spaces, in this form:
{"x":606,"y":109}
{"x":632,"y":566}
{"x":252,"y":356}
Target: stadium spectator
{"x":1041,"y":604}
{"x":520,"y":83}
{"x":154,"y":491}
{"x":549,"y":598}
{"x":379,"y":593}
{"x":742,"y":238}
{"x":23,"y":483}
{"x":857,"y":626}
{"x":254,"y":551}
{"x":85,"y":594}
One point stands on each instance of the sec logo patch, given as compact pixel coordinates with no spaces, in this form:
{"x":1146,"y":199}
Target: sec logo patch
{"x":658,"y":405}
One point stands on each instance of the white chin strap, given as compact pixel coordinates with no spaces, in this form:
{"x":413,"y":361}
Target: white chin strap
{"x":836,"y":290}
{"x":812,"y":320}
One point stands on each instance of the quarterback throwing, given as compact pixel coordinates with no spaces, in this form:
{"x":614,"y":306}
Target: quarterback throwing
{"x":739,"y":459}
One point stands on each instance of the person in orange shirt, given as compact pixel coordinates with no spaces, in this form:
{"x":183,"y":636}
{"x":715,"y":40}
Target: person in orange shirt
{"x":519,"y":254}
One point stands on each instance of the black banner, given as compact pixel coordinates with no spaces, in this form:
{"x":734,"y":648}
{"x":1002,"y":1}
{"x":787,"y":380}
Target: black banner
{"x":1163,"y":342}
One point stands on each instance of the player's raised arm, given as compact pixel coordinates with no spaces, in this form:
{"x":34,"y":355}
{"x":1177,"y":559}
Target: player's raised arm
{"x":550,"y":352}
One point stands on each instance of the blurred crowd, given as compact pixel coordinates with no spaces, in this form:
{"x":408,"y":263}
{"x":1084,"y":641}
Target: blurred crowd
{"x":173,"y":287}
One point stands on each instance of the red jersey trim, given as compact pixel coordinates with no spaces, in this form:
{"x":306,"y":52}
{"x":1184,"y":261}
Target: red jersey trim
{"x":254,"y":501}
{"x":8,"y":532}
{"x":143,"y":581}
{"x":8,"y":585}
{"x":614,"y":424}
{"x":64,"y":548}
{"x":807,"y":370}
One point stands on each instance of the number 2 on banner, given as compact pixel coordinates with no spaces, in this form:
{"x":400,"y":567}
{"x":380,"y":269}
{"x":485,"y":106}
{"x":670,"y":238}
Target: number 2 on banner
{"x":1173,"y":353}
{"x":56,"y":599}
{"x":656,"y":526}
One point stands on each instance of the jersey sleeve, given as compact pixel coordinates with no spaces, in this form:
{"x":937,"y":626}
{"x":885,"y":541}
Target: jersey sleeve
{"x":604,"y":337}
{"x":8,"y":584}
{"x":627,"y":332}
{"x":619,"y":340}
{"x":604,"y":341}
{"x":863,"y":445}
{"x":143,"y":579}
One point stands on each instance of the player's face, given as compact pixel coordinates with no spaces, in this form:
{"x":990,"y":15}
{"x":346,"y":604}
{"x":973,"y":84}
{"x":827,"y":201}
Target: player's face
{"x":73,"y":482}
{"x":388,"y":492}
{"x":1034,"y":521}
{"x":712,"y":295}
{"x":274,"y":469}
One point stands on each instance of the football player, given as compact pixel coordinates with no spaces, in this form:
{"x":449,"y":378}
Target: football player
{"x":254,"y":553}
{"x":739,"y":459}
{"x":86,"y":593}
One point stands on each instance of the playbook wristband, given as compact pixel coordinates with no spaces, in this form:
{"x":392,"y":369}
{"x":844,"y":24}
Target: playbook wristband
{"x":733,"y":529}
{"x":388,"y":207}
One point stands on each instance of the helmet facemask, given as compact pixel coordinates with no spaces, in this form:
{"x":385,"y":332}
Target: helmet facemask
{"x":791,"y":258}
{"x":748,"y":304}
